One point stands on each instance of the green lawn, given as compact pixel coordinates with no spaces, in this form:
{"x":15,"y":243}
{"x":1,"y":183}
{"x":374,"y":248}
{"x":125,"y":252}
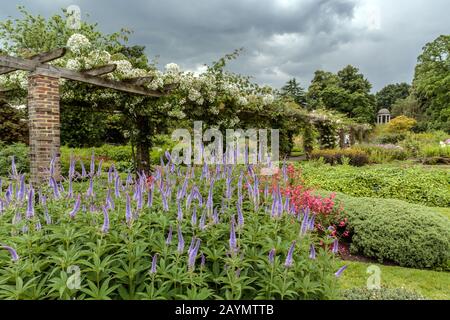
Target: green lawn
{"x":431,"y":284}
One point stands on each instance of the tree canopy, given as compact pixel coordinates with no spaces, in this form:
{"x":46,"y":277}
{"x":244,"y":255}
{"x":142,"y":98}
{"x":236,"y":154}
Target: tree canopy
{"x":347,"y":92}
{"x":432,"y":82}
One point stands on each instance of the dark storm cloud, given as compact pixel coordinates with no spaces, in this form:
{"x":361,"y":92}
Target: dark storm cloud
{"x":282,"y":38}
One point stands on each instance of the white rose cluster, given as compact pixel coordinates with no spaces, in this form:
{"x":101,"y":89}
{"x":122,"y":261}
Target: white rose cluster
{"x":172,"y":68}
{"x":78,"y":43}
{"x":268,"y":99}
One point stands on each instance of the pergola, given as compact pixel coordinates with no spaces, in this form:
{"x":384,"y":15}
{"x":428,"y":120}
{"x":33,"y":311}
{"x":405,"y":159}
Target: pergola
{"x":44,"y":97}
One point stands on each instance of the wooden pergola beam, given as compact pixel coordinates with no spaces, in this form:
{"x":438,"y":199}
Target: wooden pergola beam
{"x":49,"y":70}
{"x":38,"y":59}
{"x":100,"y":71}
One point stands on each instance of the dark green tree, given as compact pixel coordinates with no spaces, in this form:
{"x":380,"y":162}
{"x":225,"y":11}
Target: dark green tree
{"x":293,"y":91}
{"x":432,"y":82}
{"x":387,"y":96}
{"x":347,"y":92}
{"x":13,"y":124}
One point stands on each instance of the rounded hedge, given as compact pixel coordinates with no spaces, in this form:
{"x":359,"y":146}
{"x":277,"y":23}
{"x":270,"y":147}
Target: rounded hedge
{"x":387,"y":229}
{"x":380,"y":294}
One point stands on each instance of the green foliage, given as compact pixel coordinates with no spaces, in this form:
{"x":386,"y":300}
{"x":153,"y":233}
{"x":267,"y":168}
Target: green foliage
{"x":389,"y":95}
{"x":293,"y":91}
{"x":408,"y":106}
{"x":347,"y":92}
{"x":380,"y":294}
{"x":354,"y":156}
{"x":13,"y":125}
{"x":393,"y":230}
{"x":432,"y":80}
{"x":20,"y":153}
{"x":415,"y":184}
{"x":384,"y":153}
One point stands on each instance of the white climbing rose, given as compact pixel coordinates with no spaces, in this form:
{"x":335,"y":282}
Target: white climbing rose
{"x":77,"y":42}
{"x":172,"y":68}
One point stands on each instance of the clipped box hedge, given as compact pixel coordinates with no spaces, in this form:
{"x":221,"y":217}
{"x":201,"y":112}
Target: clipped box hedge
{"x":408,"y":234}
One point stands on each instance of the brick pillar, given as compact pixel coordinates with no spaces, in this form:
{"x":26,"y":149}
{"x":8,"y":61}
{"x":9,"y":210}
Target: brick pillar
{"x":44,"y":124}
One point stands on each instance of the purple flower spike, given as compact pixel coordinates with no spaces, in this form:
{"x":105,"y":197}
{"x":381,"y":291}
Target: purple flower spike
{"x":312,"y":252}
{"x":76,"y":208}
{"x":180,"y":241}
{"x":202,"y":261}
{"x":30,"y":206}
{"x":154,"y":261}
{"x":335,"y":246}
{"x":194,"y":216}
{"x":14,"y":255}
{"x":340,"y":271}
{"x":169,"y":236}
{"x":289,"y":259}
{"x":240,"y":215}
{"x":272,"y":256}
{"x":83,"y":170}
{"x":128,"y":214}
{"x":13,"y":168}
{"x":201,"y":225}
{"x":193,"y":255}
{"x":233,"y":244}
{"x":92,"y":167}
{"x":105,"y":227}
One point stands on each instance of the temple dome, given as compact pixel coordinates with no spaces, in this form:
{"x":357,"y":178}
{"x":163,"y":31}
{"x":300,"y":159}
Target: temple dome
{"x":384,"y":111}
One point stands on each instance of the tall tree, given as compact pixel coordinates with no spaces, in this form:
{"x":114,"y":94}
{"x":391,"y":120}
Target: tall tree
{"x":292,"y":90}
{"x":387,"y":96}
{"x":347,"y":92}
{"x":432,"y":82}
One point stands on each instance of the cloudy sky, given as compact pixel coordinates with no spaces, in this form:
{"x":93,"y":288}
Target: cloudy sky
{"x":282,"y":39}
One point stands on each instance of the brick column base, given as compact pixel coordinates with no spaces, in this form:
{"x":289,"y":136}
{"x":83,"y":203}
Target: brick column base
{"x":44,"y":125}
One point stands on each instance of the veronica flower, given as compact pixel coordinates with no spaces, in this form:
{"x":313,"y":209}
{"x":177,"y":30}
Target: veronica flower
{"x":90,"y":191}
{"x":30,"y":206}
{"x":304,"y":225}
{"x":128,"y":214}
{"x":215,"y":216}
{"x":54,"y":185}
{"x":180,"y":241}
{"x":76,"y":207}
{"x":99,"y":170}
{"x":14,"y":255}
{"x":14,"y":172}
{"x":180,"y":212}
{"x":83,"y":170}
{"x":194,"y":216}
{"x":154,"y":261}
{"x":117,"y":187}
{"x":1,"y":206}
{"x":272,"y":256}
{"x":70,"y":193}
{"x":71,"y":166}
{"x":193,"y":254}
{"x":169,"y":236}
{"x":202,"y":221}
{"x":233,"y":244}
{"x":335,"y":246}
{"x":105,"y":227}
{"x":340,"y":271}
{"x":21,"y":189}
{"x":312,"y":252}
{"x":240,"y":216}
{"x":92,"y":167}
{"x":48,"y":219}
{"x":109,"y":200}
{"x":52,"y":166}
{"x":38,"y":226}
{"x":139,"y":199}
{"x":311,"y":222}
{"x":110,"y":173}
{"x":202,"y":261}
{"x":289,"y":259}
